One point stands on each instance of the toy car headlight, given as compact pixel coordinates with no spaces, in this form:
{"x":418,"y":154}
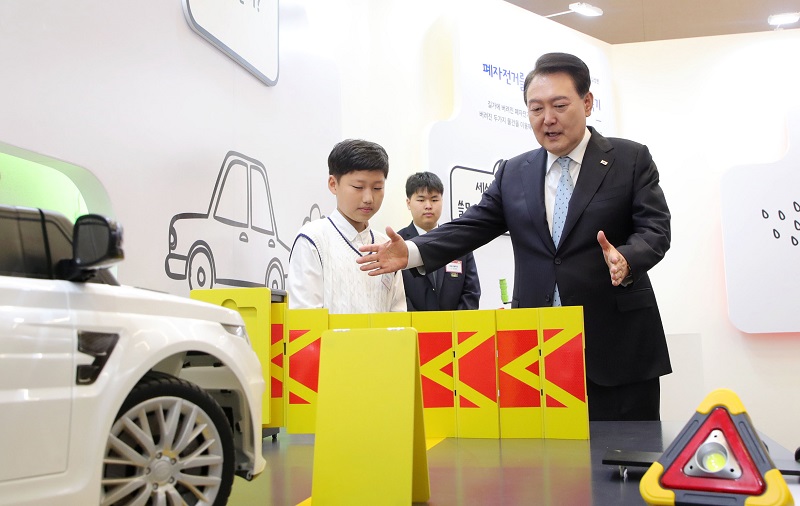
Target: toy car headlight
{"x":236,"y":330}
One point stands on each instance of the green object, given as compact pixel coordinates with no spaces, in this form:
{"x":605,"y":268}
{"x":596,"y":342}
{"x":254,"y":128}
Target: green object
{"x":504,"y":291}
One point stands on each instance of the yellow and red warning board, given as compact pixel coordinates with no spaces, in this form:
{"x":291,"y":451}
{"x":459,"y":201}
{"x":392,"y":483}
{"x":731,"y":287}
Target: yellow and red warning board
{"x":437,"y":371}
{"x":484,"y":374}
{"x":519,"y":373}
{"x":541,"y":373}
{"x":566,"y":414}
{"x":476,"y":374}
{"x":305,"y":328}
{"x":278,"y":336}
{"x":511,"y":373}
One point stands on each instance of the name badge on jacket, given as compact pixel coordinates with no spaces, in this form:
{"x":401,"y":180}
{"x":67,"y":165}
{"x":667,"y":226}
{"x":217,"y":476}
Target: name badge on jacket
{"x":454,"y":268}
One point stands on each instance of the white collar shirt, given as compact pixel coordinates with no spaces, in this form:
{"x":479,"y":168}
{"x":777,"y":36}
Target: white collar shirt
{"x":553,"y":174}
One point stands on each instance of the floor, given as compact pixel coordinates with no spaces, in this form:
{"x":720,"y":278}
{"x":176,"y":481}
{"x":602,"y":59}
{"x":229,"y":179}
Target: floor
{"x":479,"y":472}
{"x":463,"y":472}
{"x":287,"y":478}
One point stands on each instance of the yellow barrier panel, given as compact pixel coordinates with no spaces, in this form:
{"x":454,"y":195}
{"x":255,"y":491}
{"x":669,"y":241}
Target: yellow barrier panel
{"x":436,"y":355}
{"x":370,"y":440}
{"x":519,"y":374}
{"x":477,"y":412}
{"x":387,"y":320}
{"x":277,"y":372}
{"x":253,"y":304}
{"x":302,"y":358}
{"x":307,"y":325}
{"x":348,"y":321}
{"x":566,"y":412}
{"x":457,"y":354}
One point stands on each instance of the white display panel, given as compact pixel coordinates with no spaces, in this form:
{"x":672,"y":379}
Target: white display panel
{"x":245,"y":30}
{"x":761,"y":232}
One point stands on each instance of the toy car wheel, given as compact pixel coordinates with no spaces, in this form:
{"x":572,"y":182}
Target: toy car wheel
{"x":170,"y":444}
{"x":201,"y":269}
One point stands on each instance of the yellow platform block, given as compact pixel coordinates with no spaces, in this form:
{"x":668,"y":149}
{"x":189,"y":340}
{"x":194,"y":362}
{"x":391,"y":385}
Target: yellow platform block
{"x":437,"y":358}
{"x":477,"y":412}
{"x":254,"y":305}
{"x":566,"y":411}
{"x":519,"y":381}
{"x":370,"y":440}
{"x":305,"y":328}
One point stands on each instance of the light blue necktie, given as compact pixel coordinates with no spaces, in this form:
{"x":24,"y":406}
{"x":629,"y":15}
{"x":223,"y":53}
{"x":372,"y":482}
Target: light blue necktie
{"x":563,"y":194}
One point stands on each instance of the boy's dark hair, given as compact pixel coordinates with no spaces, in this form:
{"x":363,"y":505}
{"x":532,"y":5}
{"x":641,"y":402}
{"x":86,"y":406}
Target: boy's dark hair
{"x":552,"y":63}
{"x":423,"y":181}
{"x":356,"y":154}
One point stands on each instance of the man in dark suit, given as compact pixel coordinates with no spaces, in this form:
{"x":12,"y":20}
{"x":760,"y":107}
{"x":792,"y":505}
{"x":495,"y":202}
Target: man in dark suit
{"x":454,"y":286}
{"x":613,"y":229}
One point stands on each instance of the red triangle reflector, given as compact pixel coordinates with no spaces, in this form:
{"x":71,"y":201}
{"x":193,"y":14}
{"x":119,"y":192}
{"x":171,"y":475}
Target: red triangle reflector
{"x":718,"y":458}
{"x":712,"y":476}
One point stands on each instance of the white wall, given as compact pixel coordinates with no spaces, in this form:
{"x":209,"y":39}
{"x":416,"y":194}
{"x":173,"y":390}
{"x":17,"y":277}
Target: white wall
{"x":127,"y":91}
{"x":704,"y":105}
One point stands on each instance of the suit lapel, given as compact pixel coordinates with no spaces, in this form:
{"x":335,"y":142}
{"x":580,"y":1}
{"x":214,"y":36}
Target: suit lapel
{"x":411,"y":232}
{"x":597,"y":161}
{"x":533,"y":172}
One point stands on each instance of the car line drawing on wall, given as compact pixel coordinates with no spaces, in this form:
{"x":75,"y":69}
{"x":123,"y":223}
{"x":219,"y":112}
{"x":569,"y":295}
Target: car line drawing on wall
{"x":236,"y":241}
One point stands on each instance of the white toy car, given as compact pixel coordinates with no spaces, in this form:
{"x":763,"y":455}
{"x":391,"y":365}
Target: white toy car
{"x":109,"y":394}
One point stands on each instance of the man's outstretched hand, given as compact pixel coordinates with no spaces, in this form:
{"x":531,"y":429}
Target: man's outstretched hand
{"x":384,"y":258}
{"x":617,"y":265}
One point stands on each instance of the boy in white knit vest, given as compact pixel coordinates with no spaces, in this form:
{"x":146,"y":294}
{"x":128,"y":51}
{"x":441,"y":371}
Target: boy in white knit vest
{"x":322,"y":267}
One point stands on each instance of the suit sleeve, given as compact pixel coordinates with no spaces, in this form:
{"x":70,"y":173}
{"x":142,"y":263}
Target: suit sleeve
{"x":651,"y":235}
{"x":481,"y":223}
{"x":471,"y":294}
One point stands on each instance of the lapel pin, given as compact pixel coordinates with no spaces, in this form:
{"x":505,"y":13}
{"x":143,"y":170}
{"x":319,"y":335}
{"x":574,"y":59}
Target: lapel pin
{"x":603,"y":162}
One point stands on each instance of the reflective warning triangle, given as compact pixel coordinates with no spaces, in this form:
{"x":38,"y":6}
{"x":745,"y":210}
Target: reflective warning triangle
{"x":718,"y":458}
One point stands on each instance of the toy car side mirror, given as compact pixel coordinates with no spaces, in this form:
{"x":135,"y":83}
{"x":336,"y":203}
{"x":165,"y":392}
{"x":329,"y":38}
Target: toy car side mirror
{"x":96,"y":244}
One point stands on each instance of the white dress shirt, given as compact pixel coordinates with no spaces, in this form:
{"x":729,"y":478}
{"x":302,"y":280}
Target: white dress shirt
{"x":553,"y":174}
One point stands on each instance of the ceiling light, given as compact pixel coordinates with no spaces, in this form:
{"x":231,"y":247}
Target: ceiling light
{"x":787,"y":18}
{"x":585,"y":9}
{"x":580,"y":8}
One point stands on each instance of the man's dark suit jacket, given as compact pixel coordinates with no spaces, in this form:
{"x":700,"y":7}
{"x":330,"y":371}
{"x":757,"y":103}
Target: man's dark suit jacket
{"x":617,"y":192}
{"x":454,"y":291}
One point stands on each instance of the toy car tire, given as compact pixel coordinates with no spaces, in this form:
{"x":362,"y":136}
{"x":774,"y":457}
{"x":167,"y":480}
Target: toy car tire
{"x":171,"y":442}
